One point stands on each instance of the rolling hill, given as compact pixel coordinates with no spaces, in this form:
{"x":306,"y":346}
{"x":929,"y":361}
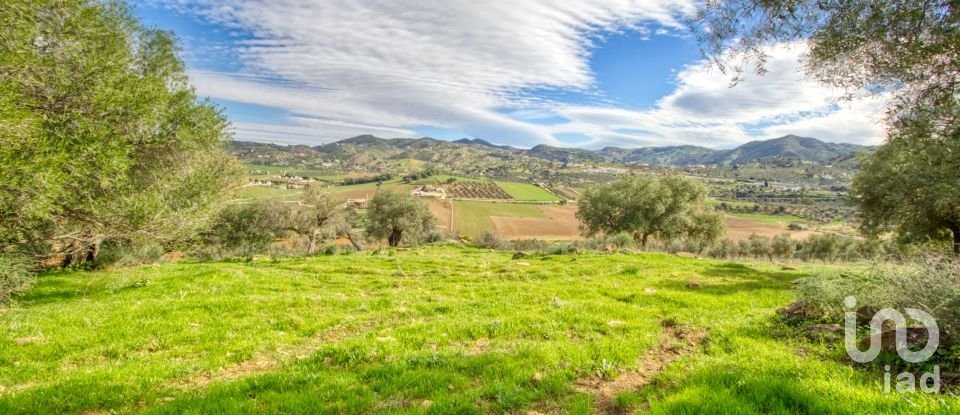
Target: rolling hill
{"x":373,"y":153}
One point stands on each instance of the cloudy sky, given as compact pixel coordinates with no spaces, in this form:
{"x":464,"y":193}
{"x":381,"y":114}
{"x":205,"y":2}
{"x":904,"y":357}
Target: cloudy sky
{"x":577,"y":73}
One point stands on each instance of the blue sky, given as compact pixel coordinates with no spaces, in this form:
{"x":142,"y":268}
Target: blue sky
{"x":584,"y":73}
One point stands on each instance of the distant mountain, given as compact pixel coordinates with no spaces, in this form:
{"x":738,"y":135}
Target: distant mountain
{"x":787,"y":147}
{"x":791,"y":146}
{"x":673,"y":156}
{"x":477,"y":155}
{"x":484,"y":143}
{"x":566,"y":155}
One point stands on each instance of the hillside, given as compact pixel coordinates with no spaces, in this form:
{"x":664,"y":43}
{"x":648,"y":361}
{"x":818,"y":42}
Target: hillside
{"x":480,"y":157}
{"x":787,"y":147}
{"x":437,"y":329}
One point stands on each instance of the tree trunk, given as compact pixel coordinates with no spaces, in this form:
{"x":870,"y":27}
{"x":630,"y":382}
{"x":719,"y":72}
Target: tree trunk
{"x":643,"y":239}
{"x":70,"y":255}
{"x":955,"y":228}
{"x":94,"y":250}
{"x":353,"y":242}
{"x":311,"y":243}
{"x":394,"y":238}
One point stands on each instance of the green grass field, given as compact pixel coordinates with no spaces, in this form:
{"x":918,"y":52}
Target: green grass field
{"x":760,"y":217}
{"x":525,"y":191}
{"x":429,"y":330}
{"x":473,"y":217}
{"x":249,"y":193}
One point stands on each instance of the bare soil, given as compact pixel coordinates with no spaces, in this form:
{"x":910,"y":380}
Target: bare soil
{"x":442,"y":210}
{"x":560,"y":224}
{"x":739,"y":228}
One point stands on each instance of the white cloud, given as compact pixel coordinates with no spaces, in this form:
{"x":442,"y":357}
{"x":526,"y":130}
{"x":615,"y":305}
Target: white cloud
{"x":706,"y":110}
{"x":388,"y":67}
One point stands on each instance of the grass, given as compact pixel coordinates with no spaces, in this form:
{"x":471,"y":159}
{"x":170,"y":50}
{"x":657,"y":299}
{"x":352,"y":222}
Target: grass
{"x":431,"y":330}
{"x":760,"y":217}
{"x":524,"y":191}
{"x":473,"y":217}
{"x":248,"y":193}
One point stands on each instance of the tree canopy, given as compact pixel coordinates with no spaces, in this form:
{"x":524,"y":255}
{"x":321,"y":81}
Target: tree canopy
{"x":398,"y":217}
{"x":101,"y":135}
{"x":667,"y":207}
{"x":902,"y":49}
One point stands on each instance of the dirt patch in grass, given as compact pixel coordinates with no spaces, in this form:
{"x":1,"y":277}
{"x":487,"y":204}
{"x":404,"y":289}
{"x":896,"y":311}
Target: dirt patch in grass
{"x":677,"y":342}
{"x":560,"y":224}
{"x":442,"y":210}
{"x":740,"y":228}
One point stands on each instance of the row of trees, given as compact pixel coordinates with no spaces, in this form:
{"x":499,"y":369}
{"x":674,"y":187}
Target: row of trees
{"x":317,"y":218}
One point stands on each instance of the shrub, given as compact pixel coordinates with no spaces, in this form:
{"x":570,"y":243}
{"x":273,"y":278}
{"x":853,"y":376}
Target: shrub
{"x":724,"y":249}
{"x":530,"y":245}
{"x":760,"y":247}
{"x":783,"y":246}
{"x":931,"y":284}
{"x":121,"y":253}
{"x":489,"y":240}
{"x":621,"y":240}
{"x":15,"y":277}
{"x":243,"y":229}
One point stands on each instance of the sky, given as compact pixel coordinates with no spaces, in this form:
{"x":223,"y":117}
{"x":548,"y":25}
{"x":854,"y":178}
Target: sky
{"x":573,"y":73}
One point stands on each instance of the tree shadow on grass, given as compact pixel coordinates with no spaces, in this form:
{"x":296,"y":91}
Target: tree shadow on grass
{"x":733,"y":278}
{"x":338,"y":379}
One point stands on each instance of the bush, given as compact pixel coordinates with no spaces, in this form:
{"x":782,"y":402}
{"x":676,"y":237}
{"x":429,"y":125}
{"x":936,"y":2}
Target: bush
{"x":529,"y":245}
{"x":725,"y":249}
{"x":119,"y":253}
{"x":783,"y":246}
{"x":15,"y":277}
{"x":931,"y":284}
{"x":621,"y":240}
{"x":760,"y":247}
{"x":245,"y":229}
{"x":489,"y":240}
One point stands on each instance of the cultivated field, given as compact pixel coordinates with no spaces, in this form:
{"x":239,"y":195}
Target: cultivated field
{"x":429,"y":330}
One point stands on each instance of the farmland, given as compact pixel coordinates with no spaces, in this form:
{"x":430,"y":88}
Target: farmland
{"x":524,"y":191}
{"x":436,"y":329}
{"x":473,"y":217}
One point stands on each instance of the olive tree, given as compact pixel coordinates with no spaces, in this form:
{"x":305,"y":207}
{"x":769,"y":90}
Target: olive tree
{"x":317,"y":216}
{"x":398,"y":217}
{"x":101,"y":135}
{"x":667,"y":207}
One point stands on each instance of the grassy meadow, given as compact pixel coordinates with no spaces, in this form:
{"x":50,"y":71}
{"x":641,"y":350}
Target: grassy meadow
{"x":439,"y":329}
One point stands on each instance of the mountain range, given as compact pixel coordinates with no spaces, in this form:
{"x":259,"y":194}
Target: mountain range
{"x":367,"y":150}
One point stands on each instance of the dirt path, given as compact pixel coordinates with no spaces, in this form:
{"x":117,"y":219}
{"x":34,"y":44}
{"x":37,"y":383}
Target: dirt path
{"x":677,"y":342}
{"x":442,"y":210}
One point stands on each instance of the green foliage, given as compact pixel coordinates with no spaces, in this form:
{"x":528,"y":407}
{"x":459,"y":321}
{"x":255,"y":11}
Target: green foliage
{"x":100,"y":135}
{"x":318,"y":216}
{"x":15,"y":277}
{"x":399,"y":217}
{"x":909,"y":186}
{"x":783,"y":246}
{"x":760,"y":247}
{"x":931,"y":284}
{"x":244,"y":229}
{"x":905,"y":49}
{"x":669,"y":208}
{"x":489,"y":240}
